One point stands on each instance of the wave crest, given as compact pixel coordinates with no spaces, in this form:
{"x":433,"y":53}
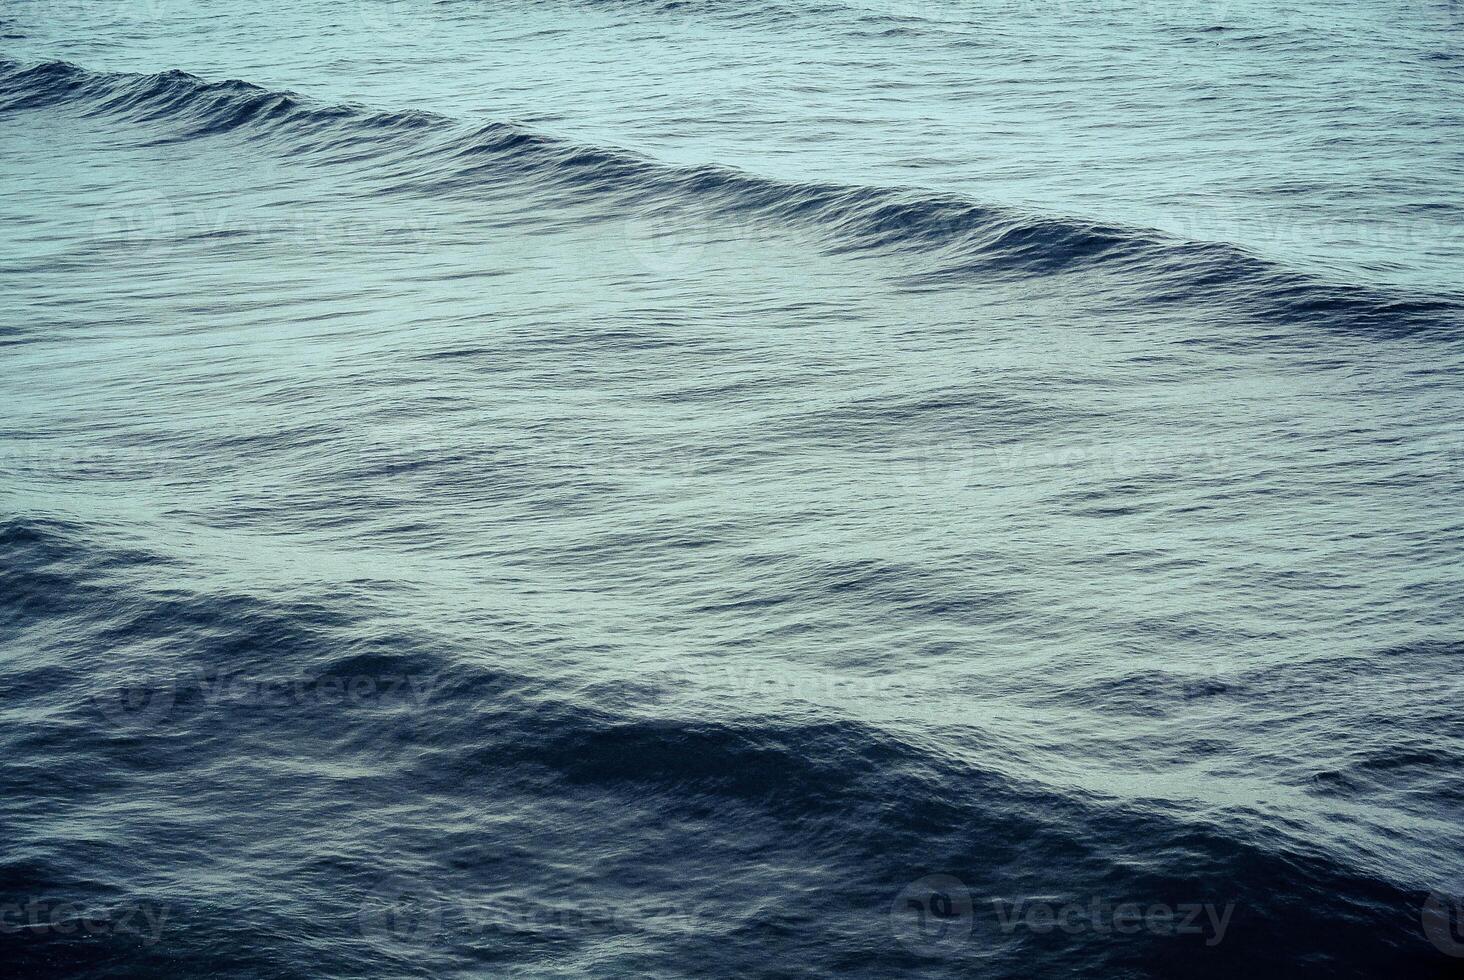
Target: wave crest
{"x":956,"y":240}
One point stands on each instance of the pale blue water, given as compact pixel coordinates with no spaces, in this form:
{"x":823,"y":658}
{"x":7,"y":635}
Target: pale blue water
{"x":1324,"y":134}
{"x":636,"y":489}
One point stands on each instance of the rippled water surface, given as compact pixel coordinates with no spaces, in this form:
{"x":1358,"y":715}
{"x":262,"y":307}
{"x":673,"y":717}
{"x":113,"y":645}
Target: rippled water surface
{"x":699,"y":489}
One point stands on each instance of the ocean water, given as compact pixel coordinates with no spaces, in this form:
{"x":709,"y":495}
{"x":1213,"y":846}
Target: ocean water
{"x":878,"y":488}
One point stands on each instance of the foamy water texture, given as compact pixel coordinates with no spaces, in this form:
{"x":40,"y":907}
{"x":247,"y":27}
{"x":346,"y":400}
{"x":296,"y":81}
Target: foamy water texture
{"x":704,"y":489}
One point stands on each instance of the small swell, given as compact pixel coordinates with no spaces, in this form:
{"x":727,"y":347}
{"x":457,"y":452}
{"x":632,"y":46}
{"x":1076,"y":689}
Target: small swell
{"x":956,"y":240}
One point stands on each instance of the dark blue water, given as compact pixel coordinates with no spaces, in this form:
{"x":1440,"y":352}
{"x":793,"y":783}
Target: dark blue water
{"x":620,"y":489}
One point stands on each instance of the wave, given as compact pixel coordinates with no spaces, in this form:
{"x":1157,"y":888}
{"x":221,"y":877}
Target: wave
{"x":957,"y":240}
{"x":832,"y":815}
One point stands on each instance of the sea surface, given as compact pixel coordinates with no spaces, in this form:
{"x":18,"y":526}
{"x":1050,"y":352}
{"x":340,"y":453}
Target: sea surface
{"x":713,"y":489}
